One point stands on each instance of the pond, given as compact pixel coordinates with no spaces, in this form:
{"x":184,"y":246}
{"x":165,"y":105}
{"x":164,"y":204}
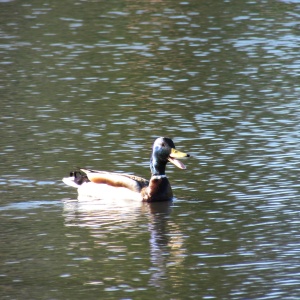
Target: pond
{"x":92,"y":84}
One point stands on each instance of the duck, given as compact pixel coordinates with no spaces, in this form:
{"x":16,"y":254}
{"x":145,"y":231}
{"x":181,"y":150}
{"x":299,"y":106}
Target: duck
{"x":102,"y":184}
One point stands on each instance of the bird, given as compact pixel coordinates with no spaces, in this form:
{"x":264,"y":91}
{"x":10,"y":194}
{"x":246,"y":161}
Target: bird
{"x":102,"y":184}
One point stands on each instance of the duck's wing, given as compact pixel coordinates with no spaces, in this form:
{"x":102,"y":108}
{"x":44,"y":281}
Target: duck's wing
{"x":131,"y":182}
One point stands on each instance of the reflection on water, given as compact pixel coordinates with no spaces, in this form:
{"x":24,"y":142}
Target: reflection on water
{"x":167,"y":250}
{"x":103,"y":220}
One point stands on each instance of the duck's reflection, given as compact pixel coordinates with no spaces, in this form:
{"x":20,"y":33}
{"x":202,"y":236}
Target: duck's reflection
{"x":166,"y":241}
{"x":100,"y":213}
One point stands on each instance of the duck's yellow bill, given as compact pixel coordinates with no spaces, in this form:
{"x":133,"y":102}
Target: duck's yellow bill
{"x":177,"y":154}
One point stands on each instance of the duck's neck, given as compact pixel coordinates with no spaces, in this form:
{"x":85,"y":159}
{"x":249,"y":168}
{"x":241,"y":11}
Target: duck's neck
{"x":159,"y":188}
{"x":158,"y":168}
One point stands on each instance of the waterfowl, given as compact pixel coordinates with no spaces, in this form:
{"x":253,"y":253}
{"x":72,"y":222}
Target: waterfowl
{"x":101,"y":184}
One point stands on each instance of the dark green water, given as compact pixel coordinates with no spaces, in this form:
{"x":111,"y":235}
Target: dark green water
{"x":93,"y":83}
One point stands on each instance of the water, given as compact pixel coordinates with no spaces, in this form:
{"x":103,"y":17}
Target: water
{"x":91,"y":83}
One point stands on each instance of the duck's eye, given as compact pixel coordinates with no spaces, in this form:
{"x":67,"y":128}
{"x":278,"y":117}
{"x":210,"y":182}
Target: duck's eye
{"x":163,"y":144}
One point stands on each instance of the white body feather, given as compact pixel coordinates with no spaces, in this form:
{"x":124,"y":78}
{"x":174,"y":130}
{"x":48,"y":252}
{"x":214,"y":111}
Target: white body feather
{"x":95,"y":191}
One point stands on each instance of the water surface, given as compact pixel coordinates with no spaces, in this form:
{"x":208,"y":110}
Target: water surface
{"x":93,"y":83}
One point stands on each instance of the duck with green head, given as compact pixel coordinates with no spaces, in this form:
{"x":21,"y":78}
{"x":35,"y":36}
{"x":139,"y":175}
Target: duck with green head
{"x":101,"y":184}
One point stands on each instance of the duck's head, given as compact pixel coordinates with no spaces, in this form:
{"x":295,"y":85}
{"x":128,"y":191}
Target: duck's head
{"x":164,"y":151}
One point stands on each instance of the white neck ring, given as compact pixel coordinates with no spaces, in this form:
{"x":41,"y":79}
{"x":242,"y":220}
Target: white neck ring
{"x":158,"y":176}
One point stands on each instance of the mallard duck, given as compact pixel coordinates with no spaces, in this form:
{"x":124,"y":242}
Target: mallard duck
{"x":101,"y":184}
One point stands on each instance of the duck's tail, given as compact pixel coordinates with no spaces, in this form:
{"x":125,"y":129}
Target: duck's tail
{"x":76,"y":179}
